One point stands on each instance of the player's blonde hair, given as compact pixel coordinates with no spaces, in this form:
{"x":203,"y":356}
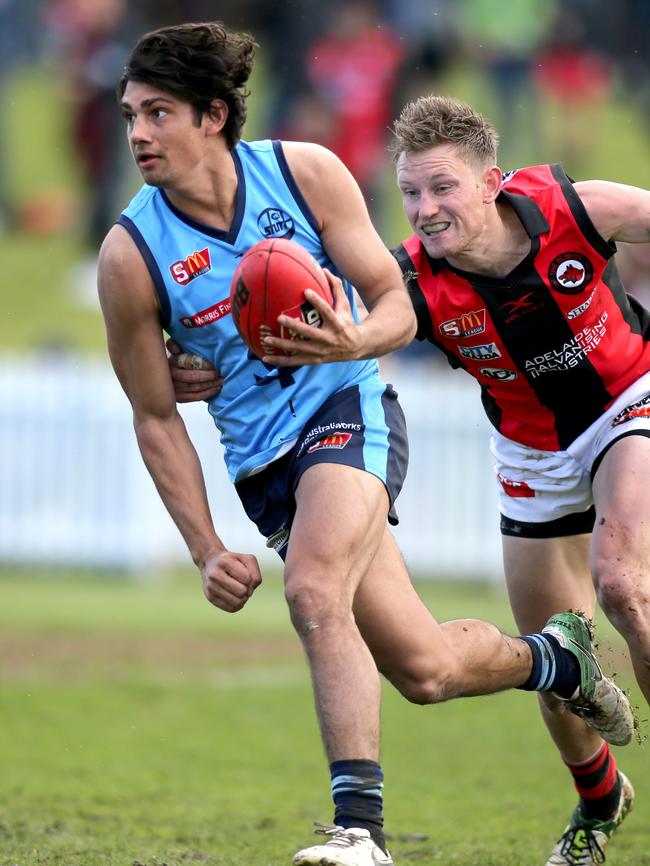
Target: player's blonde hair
{"x":433,"y":120}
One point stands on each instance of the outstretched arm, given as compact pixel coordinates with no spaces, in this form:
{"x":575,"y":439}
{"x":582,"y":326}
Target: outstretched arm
{"x":138,"y":356}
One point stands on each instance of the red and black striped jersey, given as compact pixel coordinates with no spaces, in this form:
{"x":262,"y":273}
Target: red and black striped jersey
{"x":554,"y":342}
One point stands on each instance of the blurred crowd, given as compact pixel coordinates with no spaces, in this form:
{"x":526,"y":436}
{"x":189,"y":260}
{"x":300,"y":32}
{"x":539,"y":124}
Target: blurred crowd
{"x":338,"y":72}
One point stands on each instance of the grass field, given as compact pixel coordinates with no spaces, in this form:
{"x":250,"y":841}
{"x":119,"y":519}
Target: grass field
{"x":141,"y":727}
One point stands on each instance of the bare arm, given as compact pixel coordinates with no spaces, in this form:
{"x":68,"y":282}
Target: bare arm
{"x":138,"y":356}
{"x":358,"y":252}
{"x":619,"y":212}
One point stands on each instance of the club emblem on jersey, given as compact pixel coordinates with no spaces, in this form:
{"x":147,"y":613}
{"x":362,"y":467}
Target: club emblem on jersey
{"x":570,"y":273}
{"x":466,"y":325}
{"x":274,"y":222}
{"x":195,"y":265}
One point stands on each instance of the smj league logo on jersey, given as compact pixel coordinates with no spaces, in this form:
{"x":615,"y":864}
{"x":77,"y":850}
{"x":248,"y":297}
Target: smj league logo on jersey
{"x":195,"y":265}
{"x":276,"y":223}
{"x":337,"y":439}
{"x":485,"y":352}
{"x":570,"y":273}
{"x":466,"y":325}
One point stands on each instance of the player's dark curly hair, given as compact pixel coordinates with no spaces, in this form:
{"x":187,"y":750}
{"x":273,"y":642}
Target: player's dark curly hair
{"x":196,"y":63}
{"x":433,"y":120}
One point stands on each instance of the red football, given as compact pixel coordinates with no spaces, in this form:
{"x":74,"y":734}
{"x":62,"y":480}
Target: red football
{"x":271,"y":279}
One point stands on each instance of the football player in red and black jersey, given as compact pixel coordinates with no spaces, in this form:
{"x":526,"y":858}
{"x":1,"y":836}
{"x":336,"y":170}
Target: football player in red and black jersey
{"x":513,"y":277}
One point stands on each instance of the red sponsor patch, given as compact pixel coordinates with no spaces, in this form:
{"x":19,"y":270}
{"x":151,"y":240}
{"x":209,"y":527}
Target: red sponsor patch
{"x":465,"y":325}
{"x":195,"y":265}
{"x":516,"y":489}
{"x":207,"y":317}
{"x":636,"y":410}
{"x":332,"y":440}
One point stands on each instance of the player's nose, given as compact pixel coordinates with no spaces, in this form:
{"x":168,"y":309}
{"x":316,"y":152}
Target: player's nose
{"x":139,"y":130}
{"x":428,"y":205}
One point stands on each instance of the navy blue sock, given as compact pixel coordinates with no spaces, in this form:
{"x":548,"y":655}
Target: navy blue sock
{"x":555,"y":669}
{"x":357,"y":793}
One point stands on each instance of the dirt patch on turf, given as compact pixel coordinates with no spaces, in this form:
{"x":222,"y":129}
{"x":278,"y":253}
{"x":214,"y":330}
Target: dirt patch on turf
{"x":78,"y":658}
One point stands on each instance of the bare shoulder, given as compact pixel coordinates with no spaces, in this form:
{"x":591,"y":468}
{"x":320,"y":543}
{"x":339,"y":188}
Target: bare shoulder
{"x":619,"y":212}
{"x":307,"y":160}
{"x":122,"y":273}
{"x":322,"y":177}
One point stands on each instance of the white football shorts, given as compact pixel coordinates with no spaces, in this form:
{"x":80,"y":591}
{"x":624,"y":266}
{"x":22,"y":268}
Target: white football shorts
{"x":545,"y":494}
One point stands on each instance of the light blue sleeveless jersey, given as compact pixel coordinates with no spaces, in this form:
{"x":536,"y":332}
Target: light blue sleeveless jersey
{"x":261,"y":409}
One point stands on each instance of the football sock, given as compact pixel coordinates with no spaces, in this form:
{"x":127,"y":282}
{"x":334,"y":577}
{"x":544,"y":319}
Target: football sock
{"x":555,"y":669}
{"x":357,"y":793}
{"x":598,"y":784}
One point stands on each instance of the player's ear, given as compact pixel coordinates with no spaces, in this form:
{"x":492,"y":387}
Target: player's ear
{"x":216,"y":116}
{"x":491,"y":184}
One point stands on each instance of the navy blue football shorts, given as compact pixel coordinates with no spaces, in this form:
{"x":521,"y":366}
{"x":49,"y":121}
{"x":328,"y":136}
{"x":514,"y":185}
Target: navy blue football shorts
{"x":362,"y":426}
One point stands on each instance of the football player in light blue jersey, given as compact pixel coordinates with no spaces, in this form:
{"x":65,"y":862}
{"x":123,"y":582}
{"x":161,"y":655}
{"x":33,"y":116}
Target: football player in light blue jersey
{"x":320,"y":476}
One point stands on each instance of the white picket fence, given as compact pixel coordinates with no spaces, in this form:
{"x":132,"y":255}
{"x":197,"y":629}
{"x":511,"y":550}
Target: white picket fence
{"x":74,"y":491}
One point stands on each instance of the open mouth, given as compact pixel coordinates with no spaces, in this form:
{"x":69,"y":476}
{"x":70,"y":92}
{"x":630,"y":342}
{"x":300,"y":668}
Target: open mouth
{"x":146,"y":160}
{"x":432,"y":229}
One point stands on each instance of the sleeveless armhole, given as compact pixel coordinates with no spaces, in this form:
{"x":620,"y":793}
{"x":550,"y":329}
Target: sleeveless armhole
{"x":152,"y":267}
{"x":294,"y":189}
{"x":602,"y":246}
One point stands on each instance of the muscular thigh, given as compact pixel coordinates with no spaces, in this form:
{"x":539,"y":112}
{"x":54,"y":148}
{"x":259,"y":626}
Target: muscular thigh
{"x":622,"y":495}
{"x":547,"y":575}
{"x":338,"y":525}
{"x":396,"y":625}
